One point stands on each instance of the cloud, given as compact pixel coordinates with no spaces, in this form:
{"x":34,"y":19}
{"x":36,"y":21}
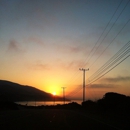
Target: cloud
{"x":116,"y":79}
{"x":72,"y":65}
{"x":68,"y":49}
{"x":101,"y":86}
{"x":74,"y":49}
{"x":39,"y":66}
{"x":13,"y":47}
{"x":36,"y":40}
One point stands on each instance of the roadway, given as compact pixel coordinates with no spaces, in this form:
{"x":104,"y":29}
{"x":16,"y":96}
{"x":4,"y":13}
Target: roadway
{"x":50,"y":119}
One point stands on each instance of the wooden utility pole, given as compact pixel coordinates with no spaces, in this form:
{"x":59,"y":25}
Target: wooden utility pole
{"x":63,"y":94}
{"x":84,"y":70}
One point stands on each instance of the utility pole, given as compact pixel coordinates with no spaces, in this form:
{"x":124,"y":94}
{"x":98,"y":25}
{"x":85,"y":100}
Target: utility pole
{"x":84,"y":70}
{"x":63,"y":94}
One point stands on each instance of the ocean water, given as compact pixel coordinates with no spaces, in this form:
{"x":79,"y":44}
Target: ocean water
{"x":45,"y":103}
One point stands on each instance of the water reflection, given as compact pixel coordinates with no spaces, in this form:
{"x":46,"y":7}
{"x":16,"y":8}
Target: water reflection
{"x":45,"y":103}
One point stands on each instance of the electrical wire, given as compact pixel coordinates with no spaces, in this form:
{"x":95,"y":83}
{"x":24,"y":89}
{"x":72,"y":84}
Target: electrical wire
{"x":103,"y":33}
{"x":116,"y":60}
{"x":110,"y":42}
{"x":110,"y":30}
{"x":115,"y":63}
{"x":124,"y":48}
{"x":110,"y":69}
{"x":76,"y":90}
{"x":100,"y":35}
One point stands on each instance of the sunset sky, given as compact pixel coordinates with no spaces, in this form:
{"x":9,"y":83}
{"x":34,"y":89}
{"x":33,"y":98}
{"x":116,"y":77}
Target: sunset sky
{"x":43,"y":43}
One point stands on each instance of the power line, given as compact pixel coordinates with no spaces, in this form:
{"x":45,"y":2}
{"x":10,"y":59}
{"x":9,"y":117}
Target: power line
{"x":110,"y":61}
{"x":110,"y":28}
{"x":113,"y":63}
{"x":74,"y":92}
{"x":105,"y":72}
{"x":109,"y":65}
{"x":103,"y":32}
{"x":117,"y":59}
{"x":105,"y":29}
{"x":110,"y":69}
{"x":79,"y":88}
{"x":111,"y":42}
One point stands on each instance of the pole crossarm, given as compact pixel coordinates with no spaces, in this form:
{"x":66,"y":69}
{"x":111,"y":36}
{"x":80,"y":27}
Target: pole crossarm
{"x":84,"y":69}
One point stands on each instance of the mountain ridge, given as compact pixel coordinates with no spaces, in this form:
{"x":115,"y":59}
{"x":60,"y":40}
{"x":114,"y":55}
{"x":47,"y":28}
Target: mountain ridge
{"x":16,"y":92}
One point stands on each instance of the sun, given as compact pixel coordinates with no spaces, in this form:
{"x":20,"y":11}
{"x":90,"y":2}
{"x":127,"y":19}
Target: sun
{"x":54,"y":93}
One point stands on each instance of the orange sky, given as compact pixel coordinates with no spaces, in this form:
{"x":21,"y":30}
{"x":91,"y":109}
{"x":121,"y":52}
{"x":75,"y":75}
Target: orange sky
{"x":43,"y":44}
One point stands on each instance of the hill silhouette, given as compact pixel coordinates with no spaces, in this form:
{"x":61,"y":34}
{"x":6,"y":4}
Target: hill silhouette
{"x":10,"y":91}
{"x":114,"y":101}
{"x":111,"y":101}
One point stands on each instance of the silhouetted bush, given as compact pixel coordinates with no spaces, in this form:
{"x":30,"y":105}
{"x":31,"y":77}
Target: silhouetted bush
{"x":114,"y":101}
{"x":7,"y":105}
{"x":89,"y":105}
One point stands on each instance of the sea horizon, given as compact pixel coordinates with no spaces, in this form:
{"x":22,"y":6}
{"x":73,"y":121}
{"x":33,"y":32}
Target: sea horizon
{"x":47,"y":103}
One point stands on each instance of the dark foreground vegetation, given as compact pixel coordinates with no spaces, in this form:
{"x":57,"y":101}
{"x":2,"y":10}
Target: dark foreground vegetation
{"x":113,"y":110}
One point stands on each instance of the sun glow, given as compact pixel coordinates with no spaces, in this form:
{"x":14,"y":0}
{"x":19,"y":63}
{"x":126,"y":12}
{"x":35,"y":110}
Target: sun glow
{"x":53,"y":86}
{"x":54,"y":93}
